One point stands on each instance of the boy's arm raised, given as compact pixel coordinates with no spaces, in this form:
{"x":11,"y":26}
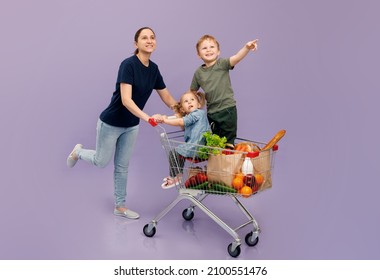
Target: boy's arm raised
{"x":250,"y":46}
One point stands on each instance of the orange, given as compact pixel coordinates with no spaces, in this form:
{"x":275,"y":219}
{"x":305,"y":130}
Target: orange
{"x":237,"y":183}
{"x":246,"y":191}
{"x":259,"y":179}
{"x":240,"y":175}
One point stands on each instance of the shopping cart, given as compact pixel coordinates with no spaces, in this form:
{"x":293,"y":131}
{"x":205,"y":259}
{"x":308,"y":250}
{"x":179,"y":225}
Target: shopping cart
{"x":216,"y":171}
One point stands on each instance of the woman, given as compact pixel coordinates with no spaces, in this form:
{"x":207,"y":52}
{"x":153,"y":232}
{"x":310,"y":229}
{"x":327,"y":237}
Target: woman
{"x":118,"y":124}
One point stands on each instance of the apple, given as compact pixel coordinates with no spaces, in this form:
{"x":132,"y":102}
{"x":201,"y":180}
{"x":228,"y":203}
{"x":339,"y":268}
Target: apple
{"x":249,"y":180}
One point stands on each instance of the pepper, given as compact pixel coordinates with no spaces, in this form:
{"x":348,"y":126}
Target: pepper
{"x":218,"y":189}
{"x":202,"y":186}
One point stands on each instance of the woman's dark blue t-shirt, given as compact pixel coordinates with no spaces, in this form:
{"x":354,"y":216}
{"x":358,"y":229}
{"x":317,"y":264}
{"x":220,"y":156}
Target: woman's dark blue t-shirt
{"x":143,"y":80}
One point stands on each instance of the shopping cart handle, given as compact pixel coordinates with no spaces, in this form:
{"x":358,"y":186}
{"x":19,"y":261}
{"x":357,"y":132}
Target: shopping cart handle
{"x":152,"y":122}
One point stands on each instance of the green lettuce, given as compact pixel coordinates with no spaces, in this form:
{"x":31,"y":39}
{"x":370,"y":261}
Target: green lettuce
{"x":214,"y":144}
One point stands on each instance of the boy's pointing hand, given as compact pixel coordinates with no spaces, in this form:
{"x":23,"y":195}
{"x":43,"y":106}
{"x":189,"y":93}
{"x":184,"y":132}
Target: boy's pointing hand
{"x":252,"y":45}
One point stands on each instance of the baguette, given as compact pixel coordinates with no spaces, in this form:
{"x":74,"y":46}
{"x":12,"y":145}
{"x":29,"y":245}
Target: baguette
{"x":274,"y":140}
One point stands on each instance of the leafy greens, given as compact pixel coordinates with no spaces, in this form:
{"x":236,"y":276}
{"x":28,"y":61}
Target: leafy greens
{"x":214,"y":144}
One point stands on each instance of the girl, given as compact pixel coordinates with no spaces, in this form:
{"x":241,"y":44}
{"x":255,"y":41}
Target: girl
{"x":118,"y":124}
{"x":195,"y":123}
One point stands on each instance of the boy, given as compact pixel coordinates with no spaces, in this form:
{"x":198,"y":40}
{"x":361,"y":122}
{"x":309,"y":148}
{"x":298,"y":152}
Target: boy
{"x":213,"y":77}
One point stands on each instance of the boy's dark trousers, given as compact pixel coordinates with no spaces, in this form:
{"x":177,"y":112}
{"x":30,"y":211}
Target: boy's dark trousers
{"x":224,"y":123}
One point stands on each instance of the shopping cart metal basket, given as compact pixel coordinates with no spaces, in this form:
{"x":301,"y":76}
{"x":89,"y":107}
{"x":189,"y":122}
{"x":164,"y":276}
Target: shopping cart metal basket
{"x":217,"y":171}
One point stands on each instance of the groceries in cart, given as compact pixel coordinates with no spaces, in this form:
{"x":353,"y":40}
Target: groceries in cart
{"x":243,"y":171}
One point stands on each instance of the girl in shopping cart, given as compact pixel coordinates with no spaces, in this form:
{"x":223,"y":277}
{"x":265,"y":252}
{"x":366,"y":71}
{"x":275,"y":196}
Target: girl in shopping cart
{"x":190,"y":117}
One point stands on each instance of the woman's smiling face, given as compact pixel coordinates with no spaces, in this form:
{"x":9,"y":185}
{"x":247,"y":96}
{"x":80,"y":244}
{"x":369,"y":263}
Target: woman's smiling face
{"x":146,"y":41}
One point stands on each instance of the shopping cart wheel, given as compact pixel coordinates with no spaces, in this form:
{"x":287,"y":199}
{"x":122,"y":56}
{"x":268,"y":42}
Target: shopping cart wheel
{"x":249,"y":241}
{"x":188,"y":214}
{"x":149,"y":232}
{"x":233,"y":253}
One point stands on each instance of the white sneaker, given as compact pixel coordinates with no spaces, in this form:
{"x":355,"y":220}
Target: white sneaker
{"x":126,"y":214}
{"x":170,"y":182}
{"x":72,"y":159}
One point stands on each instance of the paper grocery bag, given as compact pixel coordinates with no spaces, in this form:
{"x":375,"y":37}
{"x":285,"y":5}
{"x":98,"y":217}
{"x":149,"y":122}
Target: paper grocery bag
{"x":222,"y":168}
{"x":262,"y":165}
{"x":194,"y":171}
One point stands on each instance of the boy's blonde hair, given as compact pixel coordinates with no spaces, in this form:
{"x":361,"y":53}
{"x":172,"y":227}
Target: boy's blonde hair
{"x":204,"y":38}
{"x":200,"y":96}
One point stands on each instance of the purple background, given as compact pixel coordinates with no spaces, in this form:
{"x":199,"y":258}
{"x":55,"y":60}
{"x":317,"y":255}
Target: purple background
{"x":315,"y":74}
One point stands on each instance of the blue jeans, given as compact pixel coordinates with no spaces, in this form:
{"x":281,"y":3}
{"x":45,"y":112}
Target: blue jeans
{"x":113,"y":140}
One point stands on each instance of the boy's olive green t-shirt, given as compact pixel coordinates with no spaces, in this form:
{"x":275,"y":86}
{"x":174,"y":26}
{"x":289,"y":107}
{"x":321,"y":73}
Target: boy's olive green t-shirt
{"x":216,"y":84}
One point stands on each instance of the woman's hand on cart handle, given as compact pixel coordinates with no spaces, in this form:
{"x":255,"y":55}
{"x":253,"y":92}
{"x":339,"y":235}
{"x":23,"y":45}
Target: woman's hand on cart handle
{"x":152,"y":122}
{"x":155,"y":119}
{"x":158,"y":118}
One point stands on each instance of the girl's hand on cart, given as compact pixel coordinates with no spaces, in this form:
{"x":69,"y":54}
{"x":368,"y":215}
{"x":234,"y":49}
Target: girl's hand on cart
{"x":158,"y":118}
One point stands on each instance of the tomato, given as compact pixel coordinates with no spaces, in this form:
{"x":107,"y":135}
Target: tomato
{"x":192,"y":181}
{"x":187,"y":183}
{"x":201,"y":177}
